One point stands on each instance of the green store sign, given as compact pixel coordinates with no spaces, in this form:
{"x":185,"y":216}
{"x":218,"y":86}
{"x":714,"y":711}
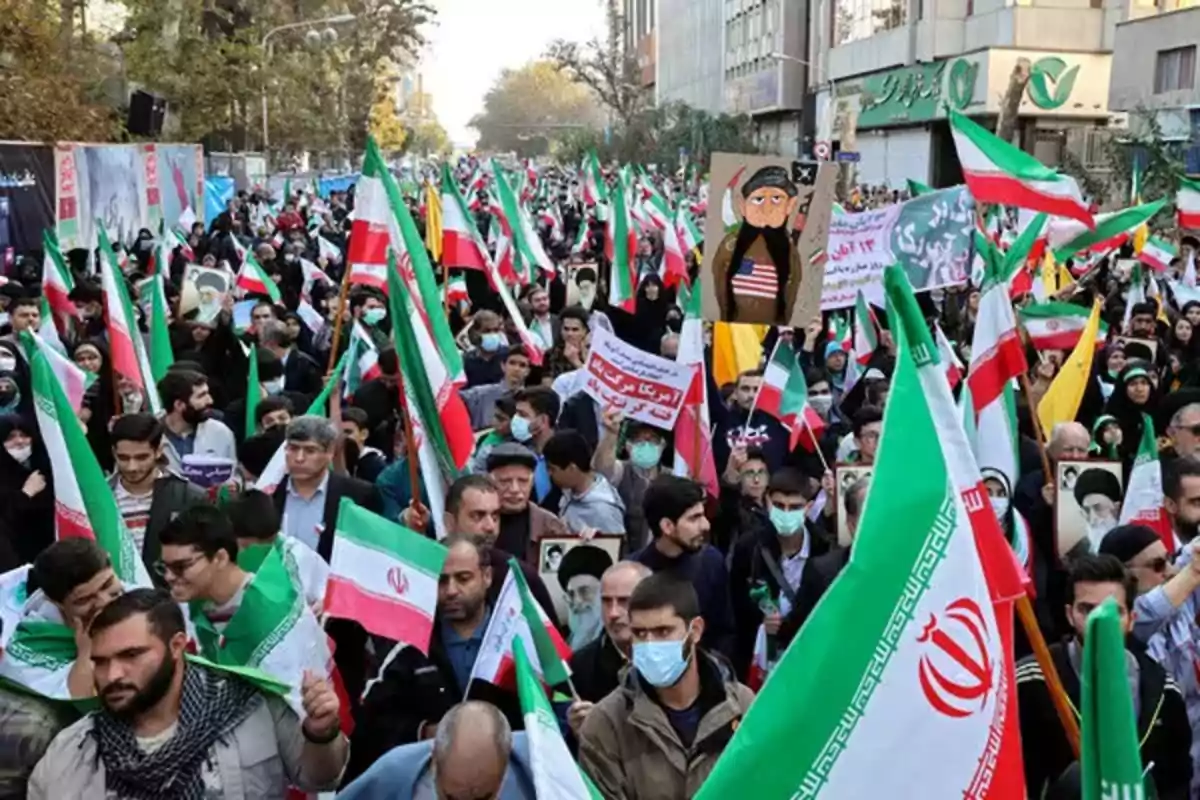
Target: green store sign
{"x":1050,"y":82}
{"x":917,"y":93}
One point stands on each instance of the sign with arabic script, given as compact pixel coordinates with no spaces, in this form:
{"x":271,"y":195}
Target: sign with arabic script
{"x":641,"y":385}
{"x":929,"y":236}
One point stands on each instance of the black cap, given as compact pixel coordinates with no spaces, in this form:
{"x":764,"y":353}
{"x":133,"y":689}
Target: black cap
{"x":583,"y":559}
{"x":1126,"y":541}
{"x":1097,"y":481}
{"x":509,"y":453}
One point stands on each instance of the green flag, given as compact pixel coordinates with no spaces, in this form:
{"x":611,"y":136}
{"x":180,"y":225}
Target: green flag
{"x":1109,"y":758}
{"x":253,"y":392}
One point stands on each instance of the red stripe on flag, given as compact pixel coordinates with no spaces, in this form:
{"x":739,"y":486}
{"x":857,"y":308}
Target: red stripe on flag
{"x":384,"y":616}
{"x":1189,"y":219}
{"x":990,"y":375}
{"x":1014,"y":192}
{"x":461,"y":252}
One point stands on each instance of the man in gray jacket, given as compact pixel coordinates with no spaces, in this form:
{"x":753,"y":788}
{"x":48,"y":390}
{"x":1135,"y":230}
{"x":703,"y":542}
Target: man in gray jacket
{"x":187,"y":404}
{"x":172,"y":727}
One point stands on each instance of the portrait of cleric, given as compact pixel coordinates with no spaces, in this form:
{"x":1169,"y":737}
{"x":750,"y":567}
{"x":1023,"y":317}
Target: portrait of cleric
{"x":758,"y":272}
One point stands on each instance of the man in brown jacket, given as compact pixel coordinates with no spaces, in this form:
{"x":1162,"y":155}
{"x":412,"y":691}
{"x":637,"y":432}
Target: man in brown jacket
{"x":660,"y":733}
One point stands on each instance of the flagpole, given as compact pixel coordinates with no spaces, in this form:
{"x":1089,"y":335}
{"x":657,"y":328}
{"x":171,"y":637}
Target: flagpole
{"x":410,"y":445}
{"x":698,"y":422}
{"x":343,"y":294}
{"x":1058,"y":694}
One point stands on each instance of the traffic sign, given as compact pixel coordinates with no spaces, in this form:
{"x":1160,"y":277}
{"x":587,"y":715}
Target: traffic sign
{"x":847,"y":155}
{"x":822,"y":151}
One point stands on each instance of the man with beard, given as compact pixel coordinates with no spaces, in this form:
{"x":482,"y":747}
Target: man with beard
{"x":579,"y":577}
{"x":1098,"y":493}
{"x":1181,"y":497}
{"x":756,"y":270}
{"x":187,"y":403}
{"x":174,"y":728}
{"x":674,"y":510}
{"x":522,"y":523}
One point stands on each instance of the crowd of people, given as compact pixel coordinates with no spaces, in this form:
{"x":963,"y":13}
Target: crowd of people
{"x":665,"y":588}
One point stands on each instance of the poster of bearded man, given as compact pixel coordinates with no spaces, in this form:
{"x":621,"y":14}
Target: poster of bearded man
{"x":764,"y":262}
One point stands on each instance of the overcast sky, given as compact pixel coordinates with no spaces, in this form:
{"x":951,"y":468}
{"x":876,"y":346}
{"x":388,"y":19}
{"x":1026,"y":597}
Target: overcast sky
{"x":475,"y":39}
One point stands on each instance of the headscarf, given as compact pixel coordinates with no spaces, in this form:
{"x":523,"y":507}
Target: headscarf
{"x":1126,"y":412}
{"x":99,"y":399}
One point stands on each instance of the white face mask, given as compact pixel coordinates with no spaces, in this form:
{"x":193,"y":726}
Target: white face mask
{"x":19,"y":454}
{"x":821,"y":403}
{"x":1000,"y":507}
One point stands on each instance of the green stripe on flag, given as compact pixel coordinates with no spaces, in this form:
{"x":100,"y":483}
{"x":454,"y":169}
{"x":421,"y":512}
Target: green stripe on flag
{"x":253,"y":392}
{"x":553,"y":669}
{"x":1109,"y":226}
{"x":161,"y":354}
{"x":389,"y":539}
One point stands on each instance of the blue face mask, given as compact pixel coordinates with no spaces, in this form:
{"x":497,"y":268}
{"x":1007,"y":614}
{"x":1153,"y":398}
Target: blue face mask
{"x":491,"y":342}
{"x":787,"y":523}
{"x":374,"y":316}
{"x":645,"y":455}
{"x":661,"y":663}
{"x":520,"y":429}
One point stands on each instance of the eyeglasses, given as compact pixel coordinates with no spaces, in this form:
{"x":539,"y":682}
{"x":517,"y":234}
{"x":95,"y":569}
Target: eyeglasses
{"x":1158,"y":565}
{"x":753,"y":474}
{"x":176,"y":568}
{"x":1194,"y":430}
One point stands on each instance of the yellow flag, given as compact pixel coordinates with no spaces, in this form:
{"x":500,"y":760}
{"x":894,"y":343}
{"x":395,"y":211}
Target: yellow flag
{"x":1065,"y":278}
{"x":433,"y":221}
{"x":1049,"y":274}
{"x":1140,"y":235}
{"x":736,"y":348}
{"x":1062,"y":399}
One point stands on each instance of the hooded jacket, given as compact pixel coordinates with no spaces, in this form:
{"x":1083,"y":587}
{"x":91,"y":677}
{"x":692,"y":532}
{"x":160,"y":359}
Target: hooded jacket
{"x":600,"y":507}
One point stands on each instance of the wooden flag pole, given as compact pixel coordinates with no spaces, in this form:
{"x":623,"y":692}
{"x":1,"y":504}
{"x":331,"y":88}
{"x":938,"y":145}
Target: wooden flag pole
{"x":343,"y":294}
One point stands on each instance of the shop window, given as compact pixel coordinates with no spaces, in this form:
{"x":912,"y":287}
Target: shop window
{"x":1175,"y":69}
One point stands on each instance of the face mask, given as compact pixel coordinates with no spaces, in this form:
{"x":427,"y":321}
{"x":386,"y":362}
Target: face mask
{"x":491,"y":342}
{"x":645,"y":455}
{"x":273,"y":386}
{"x":289,"y":257}
{"x":787,"y":523}
{"x":821,"y":403}
{"x":661,"y":663}
{"x":20,"y":454}
{"x":8,"y":364}
{"x":520,"y":429}
{"x":374,"y":316}
{"x":1000,"y":507}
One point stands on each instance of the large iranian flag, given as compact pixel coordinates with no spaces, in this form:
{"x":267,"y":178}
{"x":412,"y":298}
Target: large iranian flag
{"x":83,"y":502}
{"x":693,"y":428}
{"x":252,"y":278}
{"x":620,"y":246}
{"x":384,"y":576}
{"x":784,"y":395}
{"x":594,"y":191}
{"x":1057,"y":326}
{"x":123,"y":335}
{"x":555,"y":773}
{"x":272,"y":630}
{"x":998,"y":172}
{"x":1158,"y":253}
{"x":462,"y":246}
{"x":71,"y":378}
{"x":1069,"y":237}
{"x":918,"y":694}
{"x":57,"y":284}
{"x":1187,"y":204}
{"x":674,"y":266}
{"x":1143,"y":504}
{"x":516,"y":615}
{"x":997,"y":355}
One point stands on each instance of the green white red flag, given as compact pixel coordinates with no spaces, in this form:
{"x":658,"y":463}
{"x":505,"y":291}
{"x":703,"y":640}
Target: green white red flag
{"x":693,"y":428}
{"x":1057,"y":326}
{"x":555,"y":772}
{"x":673,"y":270}
{"x":1143,"y":503}
{"x":998,"y":172}
{"x":1110,"y":758}
{"x":1158,"y":254}
{"x":926,"y":670}
{"x":456,"y":289}
{"x":1069,"y":237}
{"x":57,"y":284}
{"x":729,"y":216}
{"x":384,"y":576}
{"x":866,"y":340}
{"x":690,"y":236}
{"x":73,"y":380}
{"x":522,"y":254}
{"x":997,"y":355}
{"x":784,"y":395}
{"x":516,"y":615}
{"x":462,"y":246}
{"x":161,"y":354}
{"x":620,"y":246}
{"x":1187,"y":204}
{"x":83,"y":502}
{"x":363,"y":363}
{"x":594,"y":191}
{"x":128,"y":351}
{"x":950,"y":363}
{"x":253,"y":279}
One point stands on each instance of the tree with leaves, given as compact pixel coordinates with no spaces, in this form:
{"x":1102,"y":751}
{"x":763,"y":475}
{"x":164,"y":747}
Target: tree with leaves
{"x":528,"y":108}
{"x":384,"y":120}
{"x":428,"y":138}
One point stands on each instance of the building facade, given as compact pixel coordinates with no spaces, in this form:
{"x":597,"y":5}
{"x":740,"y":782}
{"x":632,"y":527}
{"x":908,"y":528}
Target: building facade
{"x":640,"y":18}
{"x":886,"y":70}
{"x":689,"y":57}
{"x":1155,"y":77}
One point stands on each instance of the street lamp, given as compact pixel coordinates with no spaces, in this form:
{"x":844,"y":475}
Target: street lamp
{"x":337,"y":19}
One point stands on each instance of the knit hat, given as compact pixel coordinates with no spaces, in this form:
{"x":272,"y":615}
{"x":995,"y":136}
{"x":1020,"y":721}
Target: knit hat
{"x":833,"y":347}
{"x":1126,"y":541}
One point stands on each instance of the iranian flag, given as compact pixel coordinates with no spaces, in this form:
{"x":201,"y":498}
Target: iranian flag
{"x":1158,"y":254}
{"x":925,"y":674}
{"x":997,"y":355}
{"x":784,"y":395}
{"x":674,"y":267}
{"x":693,"y":427}
{"x":729,"y":216}
{"x":456,"y":290}
{"x":176,"y":239}
{"x":1187,"y":204}
{"x":1069,"y":237}
{"x":581,"y":237}
{"x":273,"y":630}
{"x":71,"y":378}
{"x":620,"y":246}
{"x":689,"y":235}
{"x":363,"y":363}
{"x":462,"y":246}
{"x":128,"y":351}
{"x":950,"y":363}
{"x":1110,"y":758}
{"x":1143,"y":504}
{"x":555,"y":772}
{"x":83,"y":502}
{"x":312,"y":276}
{"x":516,"y":615}
{"x":1057,"y":326}
{"x":57,"y":284}
{"x":594,"y":192}
{"x":161,"y":354}
{"x":252,"y":278}
{"x":866,"y":339}
{"x":525,"y":243}
{"x":383,"y":576}
{"x":998,"y":172}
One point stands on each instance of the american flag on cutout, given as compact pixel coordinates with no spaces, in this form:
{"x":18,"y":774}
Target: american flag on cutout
{"x":755,"y":280}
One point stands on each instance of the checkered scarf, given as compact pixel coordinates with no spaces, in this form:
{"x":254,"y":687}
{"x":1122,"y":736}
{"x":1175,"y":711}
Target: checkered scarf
{"x":211,"y":706}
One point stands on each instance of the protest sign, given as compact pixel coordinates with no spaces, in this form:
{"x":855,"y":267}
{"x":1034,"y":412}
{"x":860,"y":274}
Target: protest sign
{"x":930,"y":237}
{"x":207,"y":471}
{"x":641,"y":385}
